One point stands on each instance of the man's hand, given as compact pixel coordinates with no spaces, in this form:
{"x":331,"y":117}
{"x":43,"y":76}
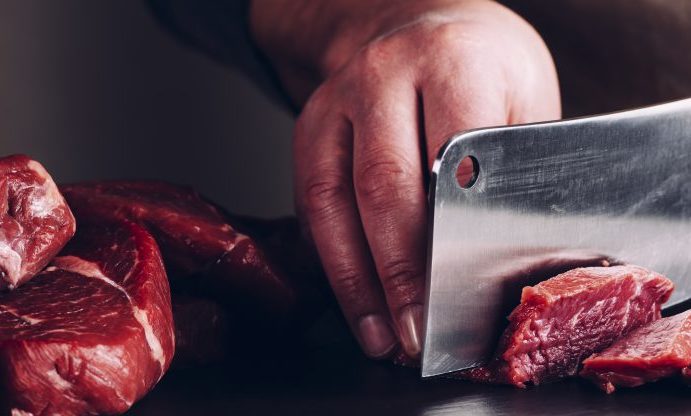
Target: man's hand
{"x":384,"y":84}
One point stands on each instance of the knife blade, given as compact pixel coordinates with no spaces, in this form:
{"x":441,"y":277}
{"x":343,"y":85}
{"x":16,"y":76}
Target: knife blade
{"x":544,"y":198}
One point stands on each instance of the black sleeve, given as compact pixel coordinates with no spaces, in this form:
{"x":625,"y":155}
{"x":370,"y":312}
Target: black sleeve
{"x":219,"y":28}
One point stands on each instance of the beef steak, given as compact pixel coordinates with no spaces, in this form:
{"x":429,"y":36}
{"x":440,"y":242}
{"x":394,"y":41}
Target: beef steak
{"x":252,"y":266}
{"x":93,"y":332}
{"x":657,"y":350}
{"x":35,"y":222}
{"x":563,"y":319}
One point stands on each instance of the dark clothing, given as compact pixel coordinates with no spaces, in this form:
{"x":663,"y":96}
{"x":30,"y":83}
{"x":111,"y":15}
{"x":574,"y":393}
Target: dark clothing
{"x":219,"y":28}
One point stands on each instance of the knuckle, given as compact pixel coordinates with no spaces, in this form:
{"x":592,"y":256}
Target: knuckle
{"x":373,"y":60}
{"x":320,"y":98}
{"x":347,"y":283}
{"x":401,"y":278}
{"x":451,"y":36}
{"x":380,"y":180}
{"x":374,"y":54}
{"x":324,"y":195}
{"x":313,"y":109}
{"x":445,"y":34}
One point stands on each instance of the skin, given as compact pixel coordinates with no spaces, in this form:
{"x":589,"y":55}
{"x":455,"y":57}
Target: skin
{"x":381,"y":86}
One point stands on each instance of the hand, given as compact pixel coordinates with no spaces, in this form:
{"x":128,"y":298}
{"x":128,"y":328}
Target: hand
{"x":385,"y":84}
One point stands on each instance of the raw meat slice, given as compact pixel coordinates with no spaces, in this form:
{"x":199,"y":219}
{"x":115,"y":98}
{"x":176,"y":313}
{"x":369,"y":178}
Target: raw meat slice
{"x":35,"y":222}
{"x":563,"y":319}
{"x":657,"y":350}
{"x":93,"y":332}
{"x":208,"y":253}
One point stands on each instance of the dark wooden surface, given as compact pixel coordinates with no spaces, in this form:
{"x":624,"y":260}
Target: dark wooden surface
{"x":337,"y":380}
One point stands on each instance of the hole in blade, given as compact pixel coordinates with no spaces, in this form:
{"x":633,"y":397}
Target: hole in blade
{"x":467,"y":172}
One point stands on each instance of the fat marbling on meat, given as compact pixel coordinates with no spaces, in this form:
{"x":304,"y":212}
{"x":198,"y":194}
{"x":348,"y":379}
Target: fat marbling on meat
{"x":35,"y":221}
{"x":92,"y":333}
{"x":562,"y":320}
{"x":242,"y":263}
{"x":654,"y":351}
{"x":229,"y":275}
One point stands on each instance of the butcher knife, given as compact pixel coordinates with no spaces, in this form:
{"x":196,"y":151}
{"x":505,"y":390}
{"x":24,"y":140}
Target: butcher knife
{"x":535,"y":200}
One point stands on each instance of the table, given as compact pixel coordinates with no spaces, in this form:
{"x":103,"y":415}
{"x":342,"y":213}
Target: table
{"x":338,"y":380}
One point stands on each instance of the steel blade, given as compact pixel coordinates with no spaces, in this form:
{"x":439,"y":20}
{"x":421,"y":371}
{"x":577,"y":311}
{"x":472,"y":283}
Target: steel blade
{"x":548,"y":197}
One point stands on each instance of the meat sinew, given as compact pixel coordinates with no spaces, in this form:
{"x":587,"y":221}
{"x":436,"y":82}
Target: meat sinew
{"x":657,"y":350}
{"x":93,"y":332}
{"x":35,"y":222}
{"x":568,"y":317}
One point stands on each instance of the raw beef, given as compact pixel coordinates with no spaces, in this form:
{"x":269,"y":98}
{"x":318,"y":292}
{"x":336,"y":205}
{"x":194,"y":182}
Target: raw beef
{"x":563,"y":319}
{"x":203,"y":330}
{"x":93,"y":332}
{"x":35,"y":222}
{"x":657,"y":350}
{"x":207,"y":253}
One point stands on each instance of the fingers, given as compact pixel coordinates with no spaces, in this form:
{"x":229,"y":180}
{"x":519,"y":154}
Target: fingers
{"x":389,"y":187}
{"x":470,"y":99}
{"x":326,"y":200}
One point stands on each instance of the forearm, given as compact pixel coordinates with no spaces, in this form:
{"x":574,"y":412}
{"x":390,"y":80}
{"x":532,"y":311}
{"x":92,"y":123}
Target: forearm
{"x":292,"y":37}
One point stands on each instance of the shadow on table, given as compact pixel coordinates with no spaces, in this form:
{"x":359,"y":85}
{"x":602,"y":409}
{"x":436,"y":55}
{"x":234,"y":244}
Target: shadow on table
{"x":338,"y":380}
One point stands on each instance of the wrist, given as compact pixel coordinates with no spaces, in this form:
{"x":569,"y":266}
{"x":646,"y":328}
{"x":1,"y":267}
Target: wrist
{"x":307,"y":40}
{"x":292,"y":34}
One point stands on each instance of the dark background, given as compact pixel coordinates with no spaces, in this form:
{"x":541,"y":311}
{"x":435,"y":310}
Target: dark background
{"x":97,"y":89}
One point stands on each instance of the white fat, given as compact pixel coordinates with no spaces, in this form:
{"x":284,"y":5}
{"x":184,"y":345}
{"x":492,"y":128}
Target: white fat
{"x":639,"y":288}
{"x":19,"y":412}
{"x":12,"y":262}
{"x":78,"y":265}
{"x":238,"y":238}
{"x":86,"y":268}
{"x":574,"y":319}
{"x":103,"y":354}
{"x":132,"y":269}
{"x":151,"y":339}
{"x":31,"y":321}
{"x":51,"y":198}
{"x":625,"y":321}
{"x":26,"y":318}
{"x":57,"y":381}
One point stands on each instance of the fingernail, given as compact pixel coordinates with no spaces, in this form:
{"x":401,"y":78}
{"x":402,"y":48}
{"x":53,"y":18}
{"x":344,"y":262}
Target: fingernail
{"x":376,"y":336}
{"x":411,"y":328}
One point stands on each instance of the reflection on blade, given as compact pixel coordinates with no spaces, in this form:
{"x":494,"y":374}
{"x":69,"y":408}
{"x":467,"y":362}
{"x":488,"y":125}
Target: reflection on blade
{"x":550,"y":197}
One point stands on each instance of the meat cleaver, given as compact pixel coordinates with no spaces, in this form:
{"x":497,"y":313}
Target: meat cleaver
{"x":544,"y":198}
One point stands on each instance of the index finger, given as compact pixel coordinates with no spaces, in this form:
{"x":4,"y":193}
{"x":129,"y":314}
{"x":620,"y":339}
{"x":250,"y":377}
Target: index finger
{"x":391,"y":195}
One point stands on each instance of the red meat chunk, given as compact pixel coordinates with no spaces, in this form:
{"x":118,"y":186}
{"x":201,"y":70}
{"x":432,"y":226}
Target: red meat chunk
{"x":568,"y":317}
{"x":229,"y":275}
{"x":35,"y":222}
{"x":204,"y":250}
{"x":657,"y":350}
{"x":92,"y":333}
